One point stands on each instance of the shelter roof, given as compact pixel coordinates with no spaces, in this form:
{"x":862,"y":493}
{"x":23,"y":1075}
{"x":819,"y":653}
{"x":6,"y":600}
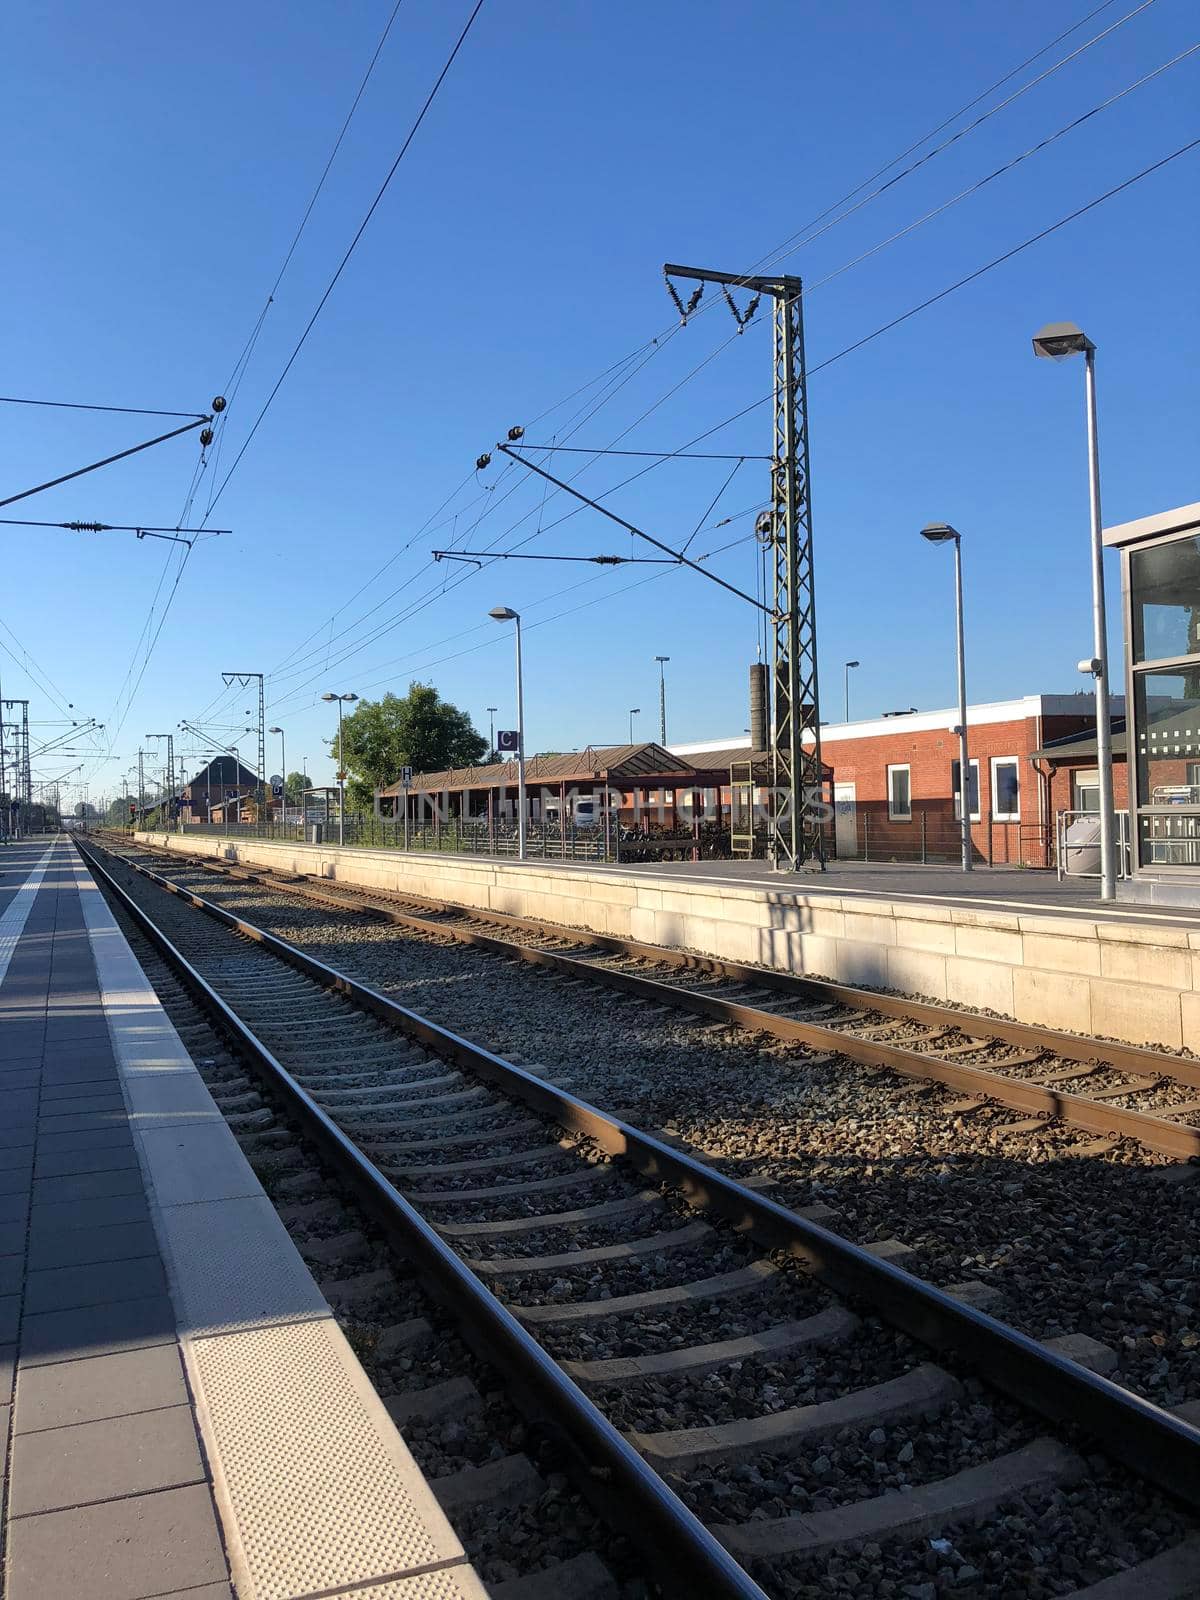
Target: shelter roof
{"x":217,"y":766}
{"x":650,"y":762}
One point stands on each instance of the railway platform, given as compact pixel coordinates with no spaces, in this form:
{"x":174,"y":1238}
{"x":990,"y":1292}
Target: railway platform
{"x":181,"y":1414}
{"x":1014,"y":942}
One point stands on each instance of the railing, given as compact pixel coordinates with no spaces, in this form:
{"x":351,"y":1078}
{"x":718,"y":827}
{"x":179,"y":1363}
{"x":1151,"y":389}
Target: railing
{"x":546,"y":840}
{"x":932,"y":836}
{"x":1077,"y":844}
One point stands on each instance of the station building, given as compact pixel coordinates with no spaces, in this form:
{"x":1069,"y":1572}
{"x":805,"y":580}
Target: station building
{"x":897,"y":789}
{"x":223,"y":781}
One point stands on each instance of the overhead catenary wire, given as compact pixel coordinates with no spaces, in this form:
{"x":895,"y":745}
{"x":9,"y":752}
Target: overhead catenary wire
{"x":243,"y":360}
{"x":652,"y":346}
{"x":362,"y":227}
{"x":1041,"y":77}
{"x":1007,"y":166}
{"x":624,"y":362}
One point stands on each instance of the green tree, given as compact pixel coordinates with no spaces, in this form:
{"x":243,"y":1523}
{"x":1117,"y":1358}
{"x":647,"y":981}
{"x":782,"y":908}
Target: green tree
{"x":421,"y":731}
{"x":85,"y":811}
{"x":117,"y":815}
{"x":295,"y":786}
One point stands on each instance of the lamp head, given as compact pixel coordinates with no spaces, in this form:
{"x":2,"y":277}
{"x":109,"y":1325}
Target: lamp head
{"x":274,"y":730}
{"x":503,"y":614}
{"x":1058,"y":340}
{"x":940,"y":533}
{"x":853,"y":663}
{"x":329,"y":697}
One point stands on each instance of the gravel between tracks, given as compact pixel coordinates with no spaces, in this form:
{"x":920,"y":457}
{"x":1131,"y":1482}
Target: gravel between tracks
{"x":1075,"y":1242}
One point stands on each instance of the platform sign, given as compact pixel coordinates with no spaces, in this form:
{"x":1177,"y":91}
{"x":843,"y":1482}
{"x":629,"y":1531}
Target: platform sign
{"x":508,"y":739}
{"x":406,"y":776}
{"x":276,"y":791}
{"x":276,"y":779}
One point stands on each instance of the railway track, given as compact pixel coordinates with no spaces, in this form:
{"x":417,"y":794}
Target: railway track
{"x":777,"y":1377}
{"x":1112,"y":1090}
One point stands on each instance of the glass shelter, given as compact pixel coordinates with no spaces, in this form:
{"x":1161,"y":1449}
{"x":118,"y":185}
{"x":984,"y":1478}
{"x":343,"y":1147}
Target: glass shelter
{"x":1160,"y":583}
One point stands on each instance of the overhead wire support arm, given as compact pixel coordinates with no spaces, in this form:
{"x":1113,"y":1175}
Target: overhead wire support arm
{"x":175,"y":535}
{"x":631,"y":527}
{"x":121,"y":455}
{"x":516,"y":555}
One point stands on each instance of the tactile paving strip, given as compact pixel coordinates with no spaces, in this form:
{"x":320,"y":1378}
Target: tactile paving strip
{"x":314,"y":1508}
{"x":235,"y":1267}
{"x":459,"y":1583}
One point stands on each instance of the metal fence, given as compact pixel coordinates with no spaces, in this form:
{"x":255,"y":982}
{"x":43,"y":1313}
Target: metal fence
{"x":932,"y":836}
{"x":545,"y":840}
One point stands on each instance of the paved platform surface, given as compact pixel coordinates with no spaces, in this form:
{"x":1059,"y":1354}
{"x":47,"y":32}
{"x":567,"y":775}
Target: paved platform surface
{"x":1006,"y":888}
{"x":179,"y":1413}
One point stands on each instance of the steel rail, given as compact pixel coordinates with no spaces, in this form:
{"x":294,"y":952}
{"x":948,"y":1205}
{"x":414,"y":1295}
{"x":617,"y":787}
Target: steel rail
{"x":1159,"y":1446}
{"x":684,"y":1555}
{"x":1138,"y":1059}
{"x":1180,"y":1140}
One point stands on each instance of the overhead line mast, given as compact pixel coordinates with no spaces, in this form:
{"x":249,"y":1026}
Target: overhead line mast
{"x":796,"y":730}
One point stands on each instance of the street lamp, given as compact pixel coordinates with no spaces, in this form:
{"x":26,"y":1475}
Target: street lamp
{"x":662,"y":700}
{"x":507,"y":614}
{"x":943,"y":533}
{"x":848,"y":665}
{"x":1055,"y":342}
{"x":341,"y":768}
{"x":283,"y":768}
{"x":634,"y":711}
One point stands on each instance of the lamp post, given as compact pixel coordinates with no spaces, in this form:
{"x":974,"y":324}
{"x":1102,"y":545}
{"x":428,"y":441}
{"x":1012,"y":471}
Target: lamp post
{"x":1055,"y":342}
{"x":634,"y":711}
{"x":507,"y":614}
{"x":943,"y":533}
{"x":341,"y":769}
{"x":848,"y":665}
{"x":491,"y":711}
{"x":283,"y":768}
{"x":662,"y":699}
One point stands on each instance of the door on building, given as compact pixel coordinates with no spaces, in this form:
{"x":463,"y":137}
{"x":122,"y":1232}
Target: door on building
{"x":845,"y":820}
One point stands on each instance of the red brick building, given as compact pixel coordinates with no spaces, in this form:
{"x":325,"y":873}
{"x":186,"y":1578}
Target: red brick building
{"x":896,"y":780}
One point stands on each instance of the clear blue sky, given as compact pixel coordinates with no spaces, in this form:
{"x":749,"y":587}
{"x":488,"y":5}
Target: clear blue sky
{"x":159,"y":160}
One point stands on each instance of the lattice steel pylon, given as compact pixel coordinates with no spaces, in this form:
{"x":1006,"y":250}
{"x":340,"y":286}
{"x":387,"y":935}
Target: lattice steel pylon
{"x":796,"y":819}
{"x":245,"y":679}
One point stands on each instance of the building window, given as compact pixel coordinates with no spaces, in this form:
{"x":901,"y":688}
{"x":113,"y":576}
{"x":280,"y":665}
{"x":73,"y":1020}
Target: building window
{"x":1164,"y":599}
{"x":973,"y":793}
{"x":899,"y":794}
{"x":1006,"y":789}
{"x":1087,"y":790}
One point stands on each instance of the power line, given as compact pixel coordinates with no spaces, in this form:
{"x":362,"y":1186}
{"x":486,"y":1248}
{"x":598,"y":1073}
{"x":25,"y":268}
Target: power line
{"x":795,"y":242}
{"x":1007,"y":166}
{"x":350,"y":250}
{"x":79,"y":405}
{"x":243,"y":361}
{"x":654,"y":345}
